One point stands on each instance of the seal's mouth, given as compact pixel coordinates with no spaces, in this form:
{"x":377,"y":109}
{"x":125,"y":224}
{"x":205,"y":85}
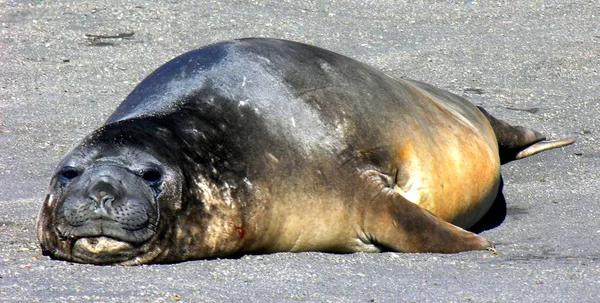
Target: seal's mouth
{"x":101,"y":245}
{"x":108,"y":228}
{"x":102,"y":250}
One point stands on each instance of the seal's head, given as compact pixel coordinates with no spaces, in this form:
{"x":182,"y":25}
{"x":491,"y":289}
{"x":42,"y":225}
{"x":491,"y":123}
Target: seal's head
{"x":105,"y":202}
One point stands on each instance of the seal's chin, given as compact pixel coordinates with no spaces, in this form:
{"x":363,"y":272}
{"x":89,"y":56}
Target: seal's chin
{"x":102,"y":250}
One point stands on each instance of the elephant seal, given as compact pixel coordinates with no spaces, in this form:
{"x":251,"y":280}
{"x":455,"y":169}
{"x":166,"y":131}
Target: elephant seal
{"x":262,"y":145}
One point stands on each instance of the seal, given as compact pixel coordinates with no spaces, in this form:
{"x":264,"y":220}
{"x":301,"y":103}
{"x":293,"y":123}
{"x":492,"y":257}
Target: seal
{"x":262,"y":145}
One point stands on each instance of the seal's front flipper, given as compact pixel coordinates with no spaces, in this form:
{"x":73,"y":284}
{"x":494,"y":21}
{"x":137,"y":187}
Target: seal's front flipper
{"x":517,"y":142}
{"x":397,"y":224}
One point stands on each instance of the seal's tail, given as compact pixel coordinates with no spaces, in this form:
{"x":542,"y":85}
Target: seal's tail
{"x":517,"y":142}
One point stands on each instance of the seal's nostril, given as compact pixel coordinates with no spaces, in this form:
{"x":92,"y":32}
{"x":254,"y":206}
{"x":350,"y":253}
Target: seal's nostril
{"x":102,"y":199}
{"x":102,"y":203}
{"x":107,"y":201}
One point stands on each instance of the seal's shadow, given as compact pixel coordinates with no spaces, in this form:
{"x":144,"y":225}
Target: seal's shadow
{"x":495,"y":216}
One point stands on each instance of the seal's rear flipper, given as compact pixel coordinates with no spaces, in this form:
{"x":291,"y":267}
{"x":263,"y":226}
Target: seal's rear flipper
{"x":542,"y":146}
{"x":517,"y":142}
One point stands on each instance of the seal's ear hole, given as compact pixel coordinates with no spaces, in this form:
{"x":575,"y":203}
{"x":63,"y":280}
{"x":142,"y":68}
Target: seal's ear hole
{"x":68,"y":173}
{"x":152,"y":175}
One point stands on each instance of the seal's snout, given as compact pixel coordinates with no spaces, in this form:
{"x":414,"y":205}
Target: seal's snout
{"x":107,"y":200}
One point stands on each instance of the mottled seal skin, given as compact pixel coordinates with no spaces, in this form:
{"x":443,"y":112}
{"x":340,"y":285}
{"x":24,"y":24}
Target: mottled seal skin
{"x":263,"y":145}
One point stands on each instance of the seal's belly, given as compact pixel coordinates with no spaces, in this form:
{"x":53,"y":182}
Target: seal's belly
{"x":451,"y":166}
{"x":457,"y":185}
{"x":303,"y":219}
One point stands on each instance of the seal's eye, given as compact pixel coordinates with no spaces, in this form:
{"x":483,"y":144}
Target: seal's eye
{"x":152,"y":176}
{"x":68,"y":173}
